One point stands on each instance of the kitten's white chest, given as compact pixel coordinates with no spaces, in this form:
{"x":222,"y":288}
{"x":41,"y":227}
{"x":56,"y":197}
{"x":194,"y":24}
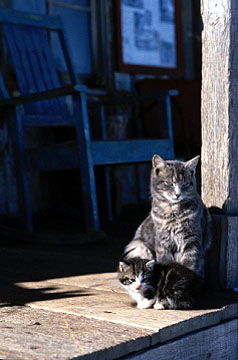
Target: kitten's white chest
{"x":135,"y":290}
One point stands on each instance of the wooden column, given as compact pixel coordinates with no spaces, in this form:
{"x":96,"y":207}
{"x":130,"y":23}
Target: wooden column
{"x":219,"y":113}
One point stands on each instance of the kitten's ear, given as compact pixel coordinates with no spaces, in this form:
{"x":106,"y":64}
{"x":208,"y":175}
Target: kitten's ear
{"x":123,"y":266}
{"x":158,"y":163}
{"x":150,"y":264}
{"x":192,"y":164}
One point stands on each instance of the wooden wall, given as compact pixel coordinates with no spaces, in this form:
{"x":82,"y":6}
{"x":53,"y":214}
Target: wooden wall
{"x":219,"y":127}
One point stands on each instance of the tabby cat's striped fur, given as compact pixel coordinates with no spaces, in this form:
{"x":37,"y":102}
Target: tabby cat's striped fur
{"x":179,"y":225}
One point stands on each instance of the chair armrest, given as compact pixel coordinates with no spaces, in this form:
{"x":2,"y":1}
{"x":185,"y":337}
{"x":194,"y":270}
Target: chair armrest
{"x":125,"y":99}
{"x":74,"y":89}
{"x":43,"y":95}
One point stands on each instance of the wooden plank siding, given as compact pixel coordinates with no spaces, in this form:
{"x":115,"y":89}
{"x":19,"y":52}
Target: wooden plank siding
{"x":216,"y":342}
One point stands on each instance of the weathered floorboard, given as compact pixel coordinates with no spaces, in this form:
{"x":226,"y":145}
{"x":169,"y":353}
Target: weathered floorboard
{"x":38,"y":334}
{"x":56,"y":312}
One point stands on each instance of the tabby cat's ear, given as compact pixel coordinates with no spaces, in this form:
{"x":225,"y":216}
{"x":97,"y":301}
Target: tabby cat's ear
{"x":158,"y":163}
{"x":123,"y":266}
{"x":192,"y":164}
{"x":150,"y":264}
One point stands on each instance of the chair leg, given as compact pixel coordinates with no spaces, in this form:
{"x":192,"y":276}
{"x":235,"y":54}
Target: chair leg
{"x":107,"y":172}
{"x":86,"y":163}
{"x":169,"y":117}
{"x":17,"y":139}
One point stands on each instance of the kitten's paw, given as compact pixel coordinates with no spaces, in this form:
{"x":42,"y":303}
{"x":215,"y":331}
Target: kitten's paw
{"x":159,"y":306}
{"x":145,"y":304}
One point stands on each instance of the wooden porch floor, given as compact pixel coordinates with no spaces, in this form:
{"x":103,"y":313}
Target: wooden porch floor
{"x":64,"y":302}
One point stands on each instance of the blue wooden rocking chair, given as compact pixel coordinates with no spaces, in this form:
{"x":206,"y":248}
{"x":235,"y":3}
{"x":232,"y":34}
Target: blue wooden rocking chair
{"x":41,"y":103}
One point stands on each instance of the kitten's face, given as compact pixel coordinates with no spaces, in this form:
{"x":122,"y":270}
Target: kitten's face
{"x":173,"y":181}
{"x":135,"y":274}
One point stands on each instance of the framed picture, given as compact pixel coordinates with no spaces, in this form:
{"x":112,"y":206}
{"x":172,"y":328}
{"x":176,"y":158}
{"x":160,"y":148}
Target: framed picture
{"x":149,"y":36}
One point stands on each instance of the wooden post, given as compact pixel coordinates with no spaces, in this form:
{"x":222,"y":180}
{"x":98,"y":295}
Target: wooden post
{"x":219,"y":114}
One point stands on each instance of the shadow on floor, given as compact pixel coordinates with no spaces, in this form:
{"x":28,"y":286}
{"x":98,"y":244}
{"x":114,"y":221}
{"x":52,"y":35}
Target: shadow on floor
{"x":30,"y":258}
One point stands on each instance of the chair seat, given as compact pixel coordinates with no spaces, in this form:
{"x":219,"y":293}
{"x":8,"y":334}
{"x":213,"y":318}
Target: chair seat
{"x":108,"y":152}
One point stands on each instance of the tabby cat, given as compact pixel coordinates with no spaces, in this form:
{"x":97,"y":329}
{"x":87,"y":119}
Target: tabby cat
{"x":163,"y":286}
{"x":179,"y":225}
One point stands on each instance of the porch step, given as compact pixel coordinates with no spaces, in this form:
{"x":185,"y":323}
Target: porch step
{"x":91,"y":317}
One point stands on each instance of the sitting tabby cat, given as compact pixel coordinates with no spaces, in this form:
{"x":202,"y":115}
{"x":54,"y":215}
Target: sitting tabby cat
{"x":179,"y":225}
{"x":163,"y":286}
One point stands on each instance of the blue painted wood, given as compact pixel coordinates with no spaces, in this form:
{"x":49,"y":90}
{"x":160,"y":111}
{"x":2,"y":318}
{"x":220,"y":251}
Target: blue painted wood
{"x":37,"y":38}
{"x":51,"y":78}
{"x":34,"y":66}
{"x":169,"y":117}
{"x":45,"y":121}
{"x":77,"y":24}
{"x":16,"y":134}
{"x":103,"y":122}
{"x":107,"y":173}
{"x":112,"y":152}
{"x":19,"y":38}
{"x":86,"y":162}
{"x":32,"y":44}
{"x":68,"y":56}
{"x":41,"y":93}
{"x":15,"y":59}
{"x":31,"y":6}
{"x":3,"y":90}
{"x":37,"y":20}
{"x":130,"y":151}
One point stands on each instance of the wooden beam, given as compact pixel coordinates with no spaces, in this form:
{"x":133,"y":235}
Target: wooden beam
{"x":219,"y":123}
{"x":220,"y":105}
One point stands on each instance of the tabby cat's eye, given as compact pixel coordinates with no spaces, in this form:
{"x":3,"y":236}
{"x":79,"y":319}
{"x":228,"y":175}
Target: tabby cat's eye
{"x":168,"y":183}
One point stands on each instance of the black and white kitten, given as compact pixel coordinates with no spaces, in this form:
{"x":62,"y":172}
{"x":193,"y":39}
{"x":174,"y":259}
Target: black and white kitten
{"x":163,"y":286}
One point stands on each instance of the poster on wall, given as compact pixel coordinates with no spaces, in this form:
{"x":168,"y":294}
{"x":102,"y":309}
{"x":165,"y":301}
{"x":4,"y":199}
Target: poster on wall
{"x":148,"y":35}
